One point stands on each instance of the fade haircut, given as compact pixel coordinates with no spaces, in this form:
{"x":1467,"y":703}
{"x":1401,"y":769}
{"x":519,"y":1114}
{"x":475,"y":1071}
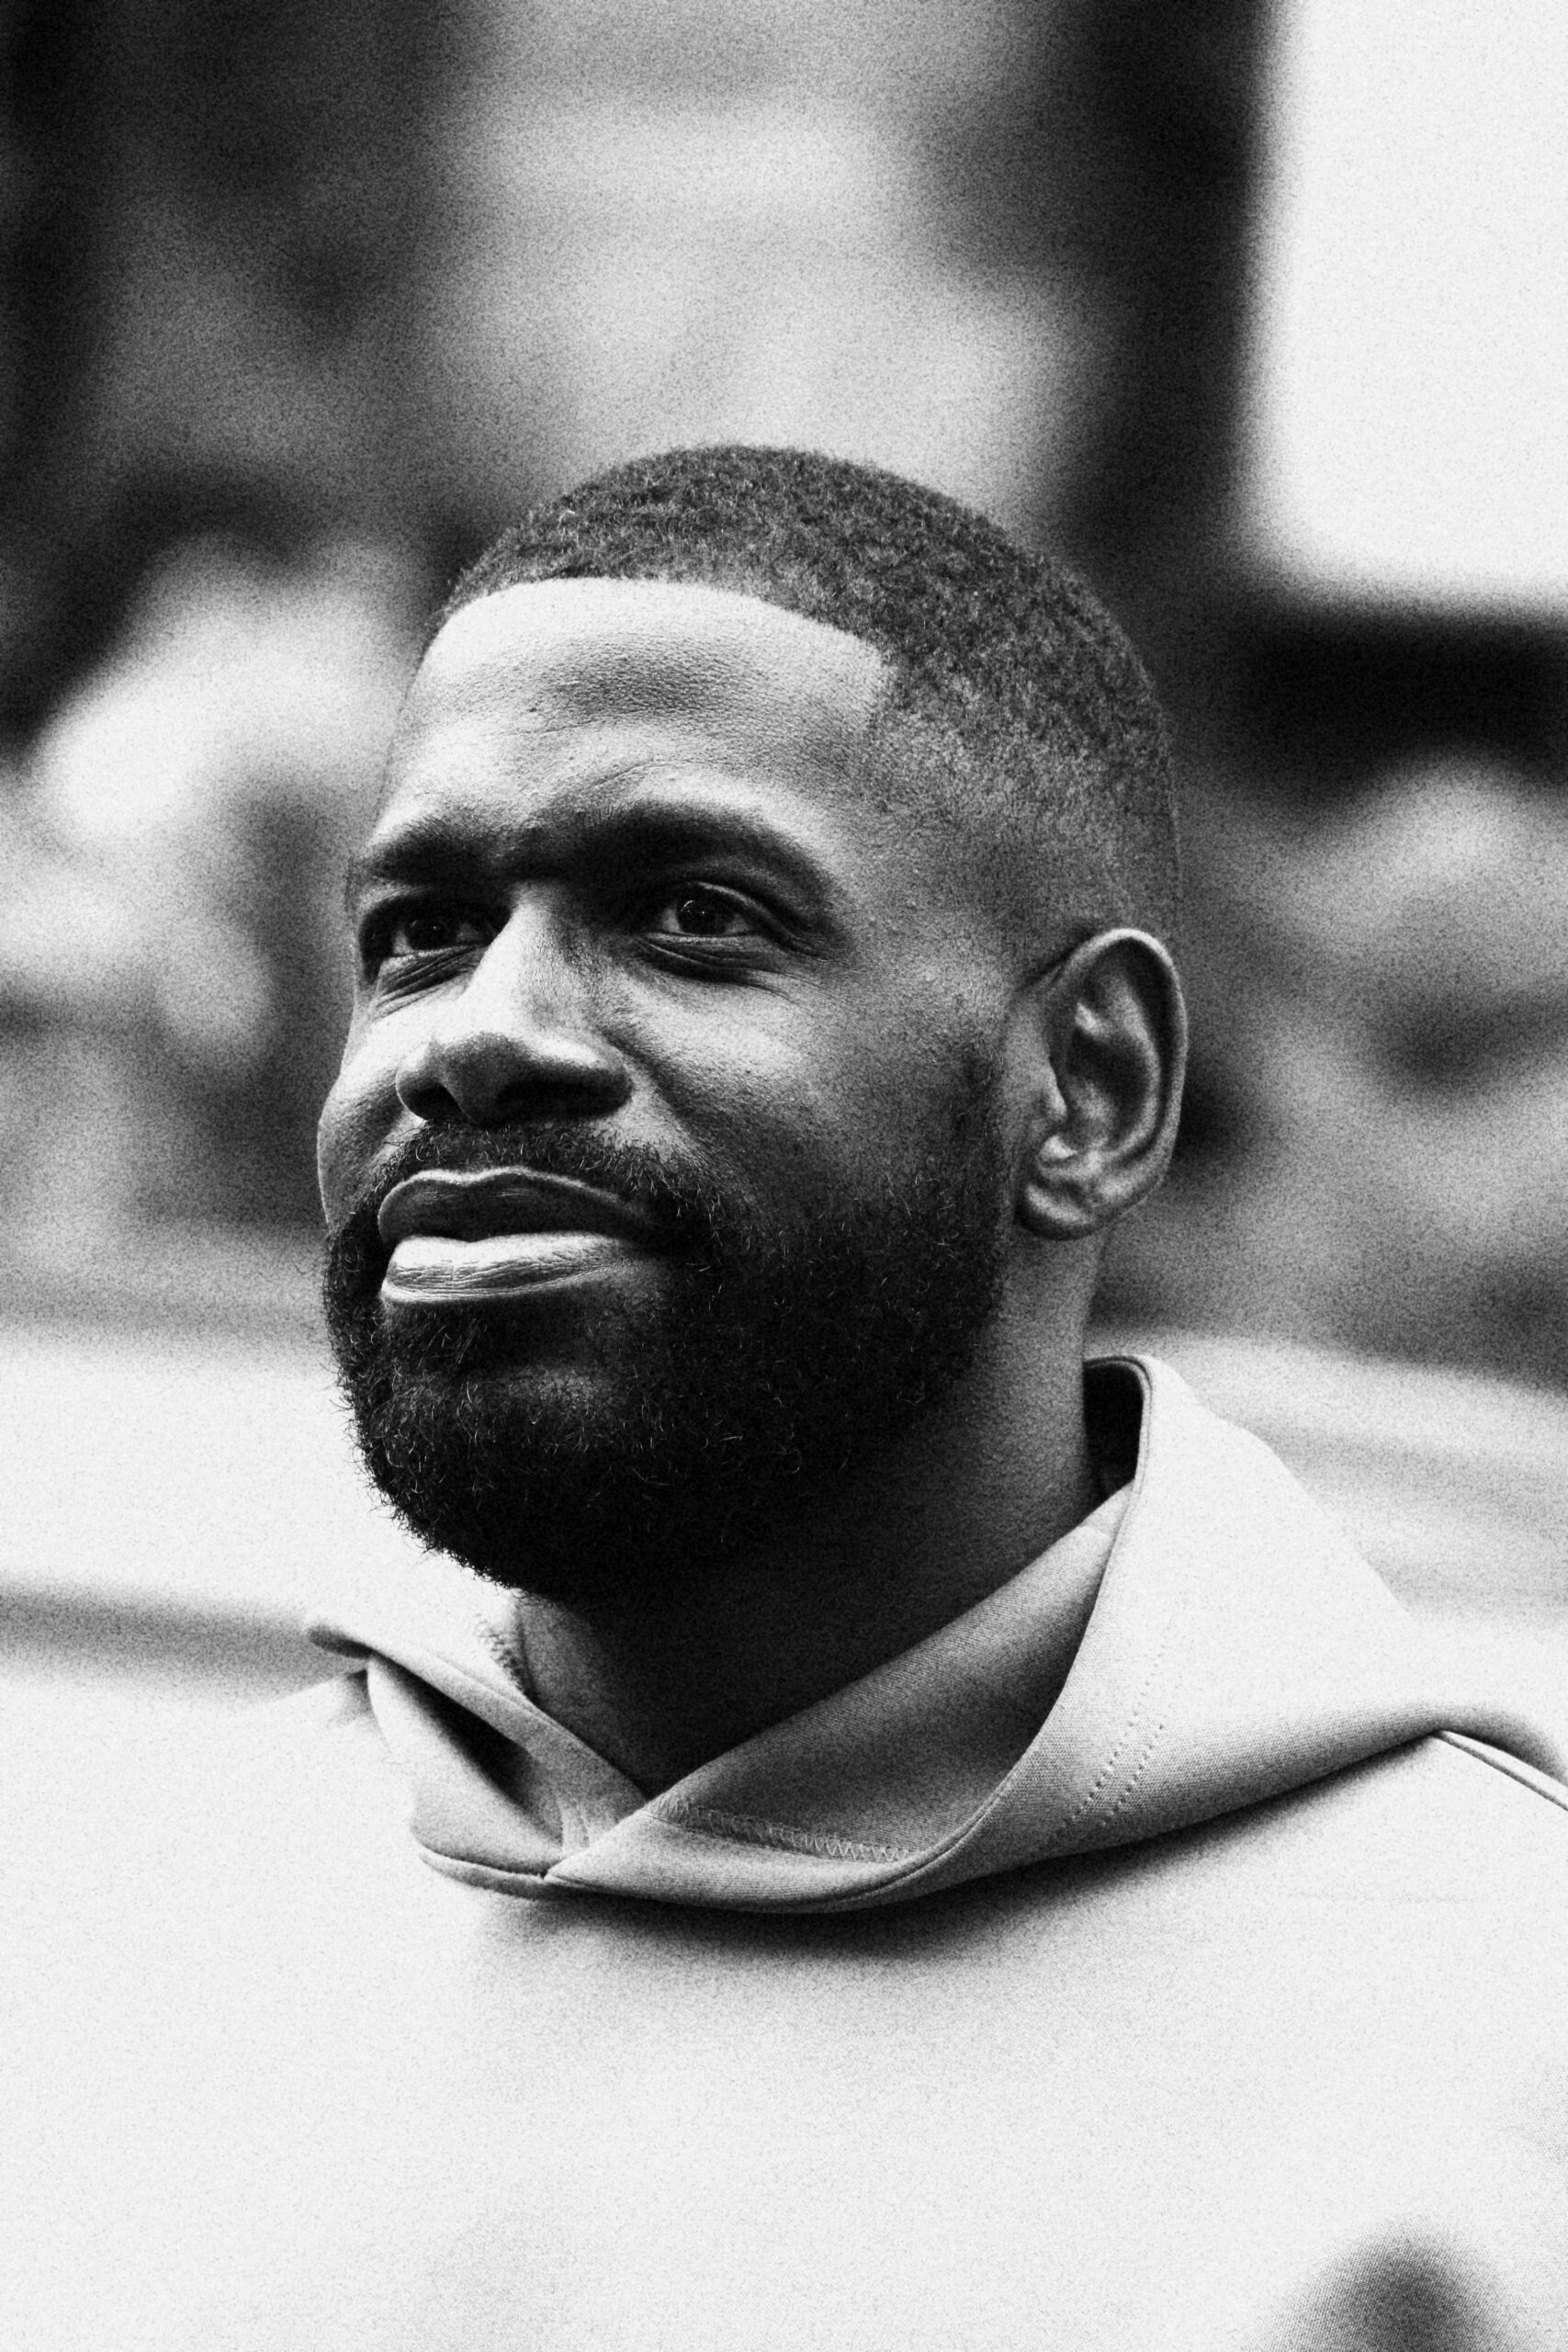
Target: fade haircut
{"x":1035,"y":729}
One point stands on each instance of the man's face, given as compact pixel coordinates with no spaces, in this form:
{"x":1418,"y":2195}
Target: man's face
{"x":663,"y":1178}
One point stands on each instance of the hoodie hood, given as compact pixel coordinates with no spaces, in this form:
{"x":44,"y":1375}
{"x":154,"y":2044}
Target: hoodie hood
{"x":1205,"y":1641}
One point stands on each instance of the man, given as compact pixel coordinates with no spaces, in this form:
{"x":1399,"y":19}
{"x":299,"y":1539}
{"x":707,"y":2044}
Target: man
{"x":926,"y":1848}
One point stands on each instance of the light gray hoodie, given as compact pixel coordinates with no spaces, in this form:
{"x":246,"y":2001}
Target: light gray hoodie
{"x":1197,"y":1975}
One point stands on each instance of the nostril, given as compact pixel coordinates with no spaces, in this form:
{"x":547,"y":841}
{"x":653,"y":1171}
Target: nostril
{"x":485,"y":1075}
{"x":427,"y":1100}
{"x":478,"y":1078}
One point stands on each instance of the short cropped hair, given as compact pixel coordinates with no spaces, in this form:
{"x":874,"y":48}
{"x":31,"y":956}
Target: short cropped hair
{"x":1048,"y":732}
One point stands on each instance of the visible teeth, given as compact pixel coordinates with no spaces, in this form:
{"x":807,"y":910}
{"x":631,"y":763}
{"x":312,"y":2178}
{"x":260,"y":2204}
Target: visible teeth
{"x":429,"y":1266}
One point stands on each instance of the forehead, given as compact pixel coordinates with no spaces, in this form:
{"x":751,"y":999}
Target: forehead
{"x":566,"y":659}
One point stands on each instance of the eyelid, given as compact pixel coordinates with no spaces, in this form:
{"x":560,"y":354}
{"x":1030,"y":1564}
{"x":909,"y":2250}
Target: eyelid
{"x":665,"y":894}
{"x":770,"y":919}
{"x":376,"y":921}
{"x":770,"y":928}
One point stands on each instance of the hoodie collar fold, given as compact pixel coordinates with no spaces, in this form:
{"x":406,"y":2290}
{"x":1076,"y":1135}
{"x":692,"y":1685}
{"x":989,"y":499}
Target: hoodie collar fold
{"x":1203,"y":1640}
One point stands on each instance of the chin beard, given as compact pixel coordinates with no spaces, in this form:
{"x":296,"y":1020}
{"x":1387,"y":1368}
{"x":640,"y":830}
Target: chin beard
{"x":776,"y":1362}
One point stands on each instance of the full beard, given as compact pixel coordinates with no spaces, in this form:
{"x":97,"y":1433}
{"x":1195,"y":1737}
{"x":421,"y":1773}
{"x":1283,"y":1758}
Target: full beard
{"x":777,"y":1362}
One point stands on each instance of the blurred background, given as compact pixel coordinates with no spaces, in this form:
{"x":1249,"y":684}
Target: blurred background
{"x":1254,"y":311}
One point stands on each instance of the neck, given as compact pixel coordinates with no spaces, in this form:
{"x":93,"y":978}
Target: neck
{"x":659,"y":1684}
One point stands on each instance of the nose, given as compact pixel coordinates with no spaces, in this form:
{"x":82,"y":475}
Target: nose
{"x":517,"y":1040}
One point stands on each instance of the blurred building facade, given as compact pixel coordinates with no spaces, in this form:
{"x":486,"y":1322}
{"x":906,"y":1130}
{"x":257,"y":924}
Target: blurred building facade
{"x":302,"y":304}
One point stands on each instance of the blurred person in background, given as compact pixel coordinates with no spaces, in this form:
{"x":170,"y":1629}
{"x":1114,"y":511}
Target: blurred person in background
{"x":87,"y":1110}
{"x":928,"y":1841}
{"x":1378,"y":1153}
{"x":171,"y":916}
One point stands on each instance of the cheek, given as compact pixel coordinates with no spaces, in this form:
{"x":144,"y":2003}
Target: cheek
{"x":355,"y":1121}
{"x":817,"y":1104}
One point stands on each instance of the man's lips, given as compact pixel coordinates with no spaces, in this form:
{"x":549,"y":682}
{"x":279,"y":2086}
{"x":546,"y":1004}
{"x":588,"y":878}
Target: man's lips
{"x":470,"y":1205}
{"x":457,"y":1235}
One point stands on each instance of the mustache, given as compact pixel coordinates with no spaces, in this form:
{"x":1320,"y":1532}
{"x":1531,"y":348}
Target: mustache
{"x":683,"y":1204}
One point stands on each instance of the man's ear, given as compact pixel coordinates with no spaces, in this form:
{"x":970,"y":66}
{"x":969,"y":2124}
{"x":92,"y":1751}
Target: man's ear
{"x":1098,"y":1054}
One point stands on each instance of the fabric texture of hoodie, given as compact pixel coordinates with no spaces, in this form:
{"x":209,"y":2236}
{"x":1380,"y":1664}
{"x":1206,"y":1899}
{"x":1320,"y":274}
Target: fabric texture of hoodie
{"x":1172,"y":1949}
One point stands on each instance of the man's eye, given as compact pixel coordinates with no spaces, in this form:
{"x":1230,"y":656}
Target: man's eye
{"x":701,"y":913}
{"x":426,"y":930}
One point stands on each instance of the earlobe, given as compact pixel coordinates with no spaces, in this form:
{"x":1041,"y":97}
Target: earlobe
{"x":1099,"y":1047}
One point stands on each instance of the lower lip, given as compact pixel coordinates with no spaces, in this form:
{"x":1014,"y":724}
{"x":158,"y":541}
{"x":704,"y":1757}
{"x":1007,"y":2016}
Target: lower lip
{"x":434,"y":1269}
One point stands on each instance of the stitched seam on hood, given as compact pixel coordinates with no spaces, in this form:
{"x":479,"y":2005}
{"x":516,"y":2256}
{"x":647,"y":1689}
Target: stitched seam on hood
{"x":1138,"y":1770}
{"x":1136,"y":1715}
{"x":752,"y":1830}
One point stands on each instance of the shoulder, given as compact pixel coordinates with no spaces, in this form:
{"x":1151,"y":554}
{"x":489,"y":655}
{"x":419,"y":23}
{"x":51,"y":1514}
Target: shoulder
{"x":1513,"y":1769}
{"x":1443,"y":1826}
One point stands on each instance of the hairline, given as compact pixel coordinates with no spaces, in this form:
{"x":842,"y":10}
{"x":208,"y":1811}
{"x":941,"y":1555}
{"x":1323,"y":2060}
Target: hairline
{"x":1016,"y":812}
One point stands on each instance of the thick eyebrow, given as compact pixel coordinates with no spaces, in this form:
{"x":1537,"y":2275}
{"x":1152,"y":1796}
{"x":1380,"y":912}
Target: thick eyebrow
{"x":436,"y":850}
{"x":428,"y":853}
